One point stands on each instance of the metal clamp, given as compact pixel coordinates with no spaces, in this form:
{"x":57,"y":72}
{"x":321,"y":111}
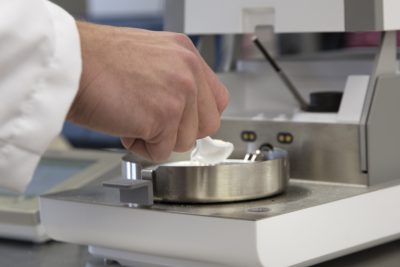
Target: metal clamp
{"x":132,"y":189}
{"x":261,"y":154}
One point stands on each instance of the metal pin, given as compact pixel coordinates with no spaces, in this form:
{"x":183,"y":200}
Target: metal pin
{"x":285,"y":79}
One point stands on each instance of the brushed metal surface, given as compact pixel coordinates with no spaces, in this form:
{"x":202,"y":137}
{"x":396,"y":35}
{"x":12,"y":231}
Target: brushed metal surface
{"x":299,"y":195}
{"x":319,"y":151}
{"x":385,"y":64}
{"x":384,"y":131}
{"x":232,"y":180}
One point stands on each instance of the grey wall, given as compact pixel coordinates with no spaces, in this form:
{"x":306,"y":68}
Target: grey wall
{"x":75,"y":7}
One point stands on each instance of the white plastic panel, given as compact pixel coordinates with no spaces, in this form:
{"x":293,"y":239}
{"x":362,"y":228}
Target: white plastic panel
{"x":353,"y":99}
{"x":287,"y":16}
{"x":34,"y":233}
{"x":391,"y":11}
{"x":321,"y":233}
{"x":215,"y":241}
{"x":226,"y":16}
{"x":309,"y":16}
{"x":298,"y":238}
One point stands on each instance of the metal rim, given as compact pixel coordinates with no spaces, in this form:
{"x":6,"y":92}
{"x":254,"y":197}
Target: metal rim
{"x":218,"y":183}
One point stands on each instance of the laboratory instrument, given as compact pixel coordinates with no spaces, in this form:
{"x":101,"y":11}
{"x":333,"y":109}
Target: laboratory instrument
{"x":345,"y":188}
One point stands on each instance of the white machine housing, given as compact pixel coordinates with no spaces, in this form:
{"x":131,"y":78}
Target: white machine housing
{"x":311,"y":223}
{"x":369,"y":138}
{"x":287,"y":16}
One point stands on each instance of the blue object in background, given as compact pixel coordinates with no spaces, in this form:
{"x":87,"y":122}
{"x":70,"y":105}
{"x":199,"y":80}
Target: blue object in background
{"x":148,"y":23}
{"x":84,"y":138}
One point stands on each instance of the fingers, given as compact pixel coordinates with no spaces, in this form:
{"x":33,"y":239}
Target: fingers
{"x":218,"y":89}
{"x":188,"y":128}
{"x":157,"y":151}
{"x":209,"y":115}
{"x":188,"y":99}
{"x":137,"y":146}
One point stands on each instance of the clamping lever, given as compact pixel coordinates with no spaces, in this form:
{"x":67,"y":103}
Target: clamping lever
{"x":133,"y":190}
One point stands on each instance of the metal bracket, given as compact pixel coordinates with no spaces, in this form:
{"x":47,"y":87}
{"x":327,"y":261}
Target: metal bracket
{"x":385,"y":63}
{"x":133,"y":191}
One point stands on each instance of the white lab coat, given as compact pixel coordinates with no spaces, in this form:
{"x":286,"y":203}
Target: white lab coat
{"x":40,"y":67}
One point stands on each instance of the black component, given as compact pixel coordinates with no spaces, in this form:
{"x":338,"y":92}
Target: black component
{"x":325,"y":101}
{"x":319,"y":101}
{"x":285,"y":79}
{"x":285,"y":138}
{"x":266,"y":147}
{"x":266,"y":55}
{"x":248,"y":136}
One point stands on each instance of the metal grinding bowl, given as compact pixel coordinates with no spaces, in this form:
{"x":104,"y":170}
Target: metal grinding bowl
{"x":265,"y":175}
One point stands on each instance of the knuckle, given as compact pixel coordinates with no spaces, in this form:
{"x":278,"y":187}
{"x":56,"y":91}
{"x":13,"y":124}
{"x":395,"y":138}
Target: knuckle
{"x":186,"y":84}
{"x":146,"y":131}
{"x":172,"y":110}
{"x":183,"y":40}
{"x":163,"y":115}
{"x":190,"y":59}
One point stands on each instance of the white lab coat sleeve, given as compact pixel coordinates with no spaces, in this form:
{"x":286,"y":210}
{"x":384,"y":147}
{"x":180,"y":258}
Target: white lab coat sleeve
{"x":40,"y":68}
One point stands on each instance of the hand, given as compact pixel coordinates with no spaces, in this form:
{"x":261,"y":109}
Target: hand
{"x":152,"y":89}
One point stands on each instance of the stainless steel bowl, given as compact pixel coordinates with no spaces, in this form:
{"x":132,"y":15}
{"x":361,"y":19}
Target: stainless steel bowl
{"x":232,"y":180}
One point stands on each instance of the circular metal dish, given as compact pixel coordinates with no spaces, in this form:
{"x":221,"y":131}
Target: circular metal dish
{"x":231,"y":180}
